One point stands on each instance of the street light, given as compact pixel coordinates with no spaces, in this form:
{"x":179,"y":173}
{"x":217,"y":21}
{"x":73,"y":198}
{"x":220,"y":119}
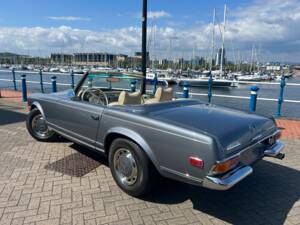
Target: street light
{"x":144,"y":45}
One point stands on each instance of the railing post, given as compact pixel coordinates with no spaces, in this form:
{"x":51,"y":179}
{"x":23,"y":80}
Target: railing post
{"x":53,"y":80}
{"x":253,"y":98}
{"x":41,"y":81}
{"x":155,"y":83}
{"x":185,"y":93}
{"x":280,"y":98}
{"x":72,"y":79}
{"x":14,"y":78}
{"x":210,"y":83}
{"x":24,"y":88}
{"x":133,"y":85}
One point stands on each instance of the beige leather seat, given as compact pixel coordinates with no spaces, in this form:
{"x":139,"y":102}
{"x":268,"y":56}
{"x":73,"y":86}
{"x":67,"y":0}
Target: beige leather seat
{"x":126,"y":98}
{"x":161,"y":95}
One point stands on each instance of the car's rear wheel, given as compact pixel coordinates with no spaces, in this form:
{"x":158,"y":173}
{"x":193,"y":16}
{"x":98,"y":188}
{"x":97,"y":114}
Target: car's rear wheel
{"x":131,"y":168}
{"x":37,"y":126}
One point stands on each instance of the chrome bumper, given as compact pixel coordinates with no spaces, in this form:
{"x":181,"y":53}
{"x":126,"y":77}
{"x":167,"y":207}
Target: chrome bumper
{"x":275,"y":150}
{"x":230,"y":179}
{"x":235,"y":176}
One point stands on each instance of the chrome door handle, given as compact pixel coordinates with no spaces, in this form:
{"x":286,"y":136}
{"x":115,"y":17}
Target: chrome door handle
{"x":95,"y":117}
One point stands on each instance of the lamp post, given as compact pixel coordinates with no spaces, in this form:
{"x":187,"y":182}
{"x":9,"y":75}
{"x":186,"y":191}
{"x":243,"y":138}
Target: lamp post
{"x":144,"y":45}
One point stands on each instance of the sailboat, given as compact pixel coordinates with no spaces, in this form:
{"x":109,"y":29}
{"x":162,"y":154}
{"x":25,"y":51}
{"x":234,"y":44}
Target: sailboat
{"x":218,"y":79}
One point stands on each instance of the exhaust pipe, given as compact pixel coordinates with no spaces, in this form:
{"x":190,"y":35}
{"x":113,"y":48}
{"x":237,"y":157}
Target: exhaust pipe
{"x":280,"y":156}
{"x":275,"y":151}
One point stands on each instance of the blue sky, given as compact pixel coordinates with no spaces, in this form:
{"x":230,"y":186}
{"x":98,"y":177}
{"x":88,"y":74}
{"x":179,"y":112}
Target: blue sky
{"x":105,"y":14}
{"x":177,"y":26}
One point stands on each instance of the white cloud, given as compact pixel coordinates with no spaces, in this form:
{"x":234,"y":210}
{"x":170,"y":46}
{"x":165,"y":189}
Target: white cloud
{"x":158,"y":14}
{"x":271,"y":24}
{"x":69,"y":18}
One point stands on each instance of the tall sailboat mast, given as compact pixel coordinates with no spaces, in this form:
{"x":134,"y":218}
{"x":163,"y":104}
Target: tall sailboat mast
{"x":252,"y":58}
{"x":212,"y":41}
{"x":223,"y":39}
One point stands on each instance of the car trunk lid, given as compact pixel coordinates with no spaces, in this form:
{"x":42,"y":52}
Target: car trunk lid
{"x":231,"y":128}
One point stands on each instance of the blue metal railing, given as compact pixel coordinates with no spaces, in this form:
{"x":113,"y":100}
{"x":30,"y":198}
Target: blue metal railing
{"x":185,"y":91}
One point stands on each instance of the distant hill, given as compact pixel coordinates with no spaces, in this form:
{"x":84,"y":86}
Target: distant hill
{"x":11,"y":55}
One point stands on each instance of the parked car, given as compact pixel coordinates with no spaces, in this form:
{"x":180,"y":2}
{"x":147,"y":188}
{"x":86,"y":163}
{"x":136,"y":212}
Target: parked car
{"x":145,"y":136}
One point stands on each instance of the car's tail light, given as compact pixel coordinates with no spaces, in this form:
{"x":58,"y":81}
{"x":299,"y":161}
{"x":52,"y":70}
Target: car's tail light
{"x":196,"y":162}
{"x":272,"y":140}
{"x":225,"y":166}
{"x":278,"y":135}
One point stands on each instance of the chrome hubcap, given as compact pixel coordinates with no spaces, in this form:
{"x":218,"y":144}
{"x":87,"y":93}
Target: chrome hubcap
{"x":39,"y":126}
{"x":125,"y":166}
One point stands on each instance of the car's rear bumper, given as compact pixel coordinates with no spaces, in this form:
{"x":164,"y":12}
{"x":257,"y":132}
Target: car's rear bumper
{"x":235,"y":176}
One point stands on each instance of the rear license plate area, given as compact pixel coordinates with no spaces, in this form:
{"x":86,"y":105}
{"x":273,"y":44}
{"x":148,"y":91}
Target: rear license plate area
{"x":249,"y":156}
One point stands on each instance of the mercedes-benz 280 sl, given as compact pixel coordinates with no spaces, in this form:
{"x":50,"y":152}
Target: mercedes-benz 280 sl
{"x":149,"y":135}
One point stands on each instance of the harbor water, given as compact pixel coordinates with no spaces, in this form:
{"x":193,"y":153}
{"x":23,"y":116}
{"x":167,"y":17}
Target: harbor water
{"x":265,"y":107}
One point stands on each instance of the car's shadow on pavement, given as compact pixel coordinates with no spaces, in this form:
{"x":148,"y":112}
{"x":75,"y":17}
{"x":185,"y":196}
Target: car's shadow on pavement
{"x":265,"y":197}
{"x":77,"y":164}
{"x":9,"y":117}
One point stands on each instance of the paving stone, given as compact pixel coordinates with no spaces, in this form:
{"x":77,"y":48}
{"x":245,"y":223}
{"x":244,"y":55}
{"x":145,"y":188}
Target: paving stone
{"x":56,"y":183}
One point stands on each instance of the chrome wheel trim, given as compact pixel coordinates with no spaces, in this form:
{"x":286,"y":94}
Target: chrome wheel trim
{"x":39,"y":126}
{"x":125,"y":167}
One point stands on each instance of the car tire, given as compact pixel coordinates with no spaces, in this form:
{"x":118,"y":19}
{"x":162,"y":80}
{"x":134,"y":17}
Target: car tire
{"x":38,"y":128}
{"x":131,"y":168}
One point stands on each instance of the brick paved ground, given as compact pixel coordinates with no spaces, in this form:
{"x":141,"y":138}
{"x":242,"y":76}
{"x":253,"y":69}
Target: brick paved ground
{"x":63,"y":183}
{"x":291,"y":128}
{"x":15,"y":96}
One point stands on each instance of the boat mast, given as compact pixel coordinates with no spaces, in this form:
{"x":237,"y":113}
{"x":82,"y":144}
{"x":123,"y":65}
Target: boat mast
{"x":212,"y":41}
{"x":193,"y":57}
{"x":223,"y":39}
{"x":252,"y":56}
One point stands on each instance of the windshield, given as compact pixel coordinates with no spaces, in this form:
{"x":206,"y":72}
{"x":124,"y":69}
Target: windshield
{"x":111,"y":81}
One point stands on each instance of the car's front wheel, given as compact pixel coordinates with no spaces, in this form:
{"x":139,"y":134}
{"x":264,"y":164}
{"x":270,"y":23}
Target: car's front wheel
{"x":37,"y":127}
{"x":131,"y":168}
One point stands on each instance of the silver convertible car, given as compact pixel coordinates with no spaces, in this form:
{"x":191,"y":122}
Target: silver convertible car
{"x":145,"y":136}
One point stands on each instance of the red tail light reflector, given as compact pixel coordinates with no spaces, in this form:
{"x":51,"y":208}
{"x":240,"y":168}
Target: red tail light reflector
{"x":196,"y":162}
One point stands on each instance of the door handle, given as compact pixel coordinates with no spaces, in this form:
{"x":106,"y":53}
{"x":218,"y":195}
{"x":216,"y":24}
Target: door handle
{"x":95,"y":117}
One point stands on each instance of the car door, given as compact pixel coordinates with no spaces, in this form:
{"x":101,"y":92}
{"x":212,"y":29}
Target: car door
{"x":76,"y":119}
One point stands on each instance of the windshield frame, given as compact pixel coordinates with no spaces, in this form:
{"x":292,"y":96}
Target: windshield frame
{"x":137,"y":76}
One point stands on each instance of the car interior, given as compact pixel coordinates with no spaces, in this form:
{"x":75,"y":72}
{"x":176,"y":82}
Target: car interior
{"x":121,"y":97}
{"x":106,"y":89}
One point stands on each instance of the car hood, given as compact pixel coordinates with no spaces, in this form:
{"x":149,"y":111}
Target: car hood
{"x":231,"y":128}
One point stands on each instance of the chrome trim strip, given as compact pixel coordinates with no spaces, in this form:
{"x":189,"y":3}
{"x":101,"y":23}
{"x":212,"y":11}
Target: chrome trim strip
{"x":75,"y":139}
{"x":275,"y":150}
{"x":229,"y":180}
{"x":99,"y":143}
{"x":186,"y":176}
{"x":71,"y":132}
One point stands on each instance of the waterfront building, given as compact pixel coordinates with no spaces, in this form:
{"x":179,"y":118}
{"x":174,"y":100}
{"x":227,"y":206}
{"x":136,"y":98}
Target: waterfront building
{"x":94,"y":58}
{"x":273,"y":67}
{"x":61,"y":58}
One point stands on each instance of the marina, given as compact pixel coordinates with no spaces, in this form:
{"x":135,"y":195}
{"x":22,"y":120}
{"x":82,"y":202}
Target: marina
{"x":146,"y":112}
{"x":236,"y":96}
